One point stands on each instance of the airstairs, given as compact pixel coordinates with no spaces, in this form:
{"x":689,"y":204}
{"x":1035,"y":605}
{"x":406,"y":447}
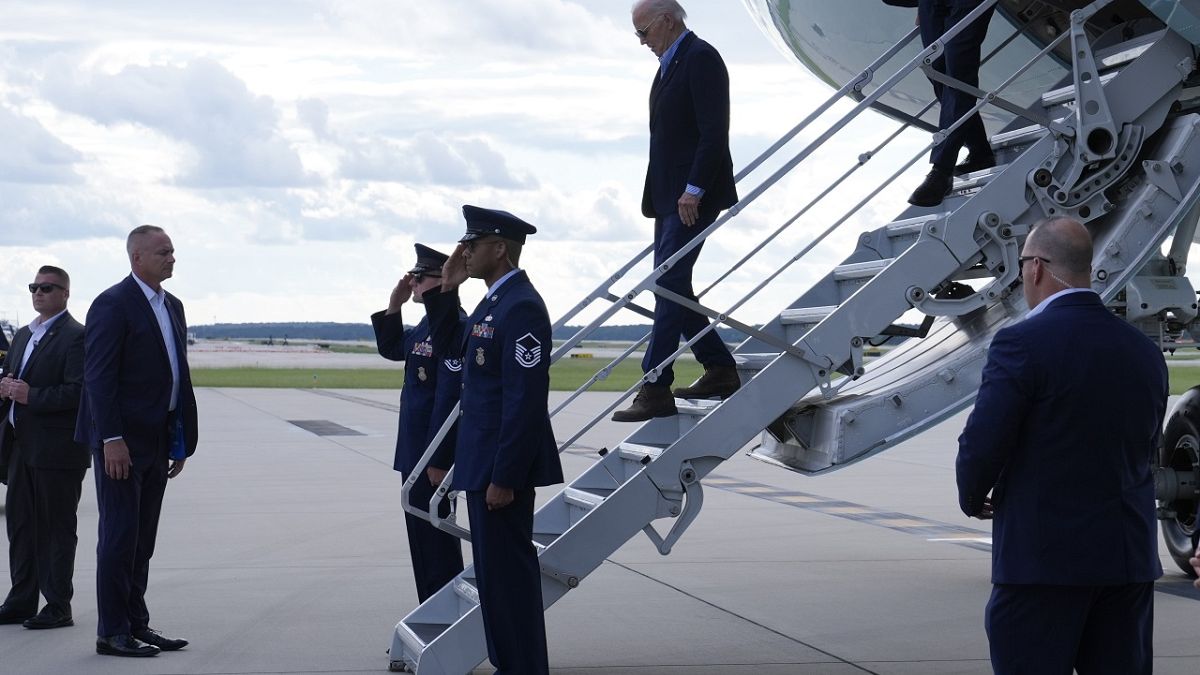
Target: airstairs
{"x":1126,"y":162}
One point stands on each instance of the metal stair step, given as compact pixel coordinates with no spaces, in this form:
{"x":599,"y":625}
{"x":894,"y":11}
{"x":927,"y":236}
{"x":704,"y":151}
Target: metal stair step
{"x":582,"y":499}
{"x":465,"y":589}
{"x":754,"y":362}
{"x":805,"y":315}
{"x":910,"y":226}
{"x":978,"y":178}
{"x":427,"y":632}
{"x":1067,"y":93}
{"x":697,"y":407}
{"x":860,"y":270}
{"x":638,"y":453}
{"x":1022,"y":136}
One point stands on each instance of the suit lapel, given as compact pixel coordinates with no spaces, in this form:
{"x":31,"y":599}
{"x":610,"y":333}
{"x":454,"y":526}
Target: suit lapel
{"x":17,"y":349}
{"x":662,"y":79}
{"x":39,"y":348}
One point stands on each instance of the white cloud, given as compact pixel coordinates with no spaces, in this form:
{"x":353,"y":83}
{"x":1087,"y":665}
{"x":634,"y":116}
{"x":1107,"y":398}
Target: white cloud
{"x":31,"y":154}
{"x":234,"y":133}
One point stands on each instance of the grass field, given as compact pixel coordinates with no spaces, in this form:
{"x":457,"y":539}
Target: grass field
{"x":566,"y":375}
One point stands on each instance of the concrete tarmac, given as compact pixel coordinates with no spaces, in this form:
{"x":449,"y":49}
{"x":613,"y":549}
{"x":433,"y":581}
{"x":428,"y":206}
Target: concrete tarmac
{"x":283,"y":551}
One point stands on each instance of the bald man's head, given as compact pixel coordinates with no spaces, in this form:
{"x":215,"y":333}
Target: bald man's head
{"x":1068,"y":245}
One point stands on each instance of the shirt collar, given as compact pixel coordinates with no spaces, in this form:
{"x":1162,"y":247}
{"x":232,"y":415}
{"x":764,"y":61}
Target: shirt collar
{"x":43,"y":325}
{"x":1041,"y":306}
{"x":151,"y":294}
{"x":500,"y":282}
{"x":670,"y":53}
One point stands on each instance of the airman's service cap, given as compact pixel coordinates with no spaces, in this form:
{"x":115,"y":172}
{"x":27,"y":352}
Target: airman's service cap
{"x":487,"y":222}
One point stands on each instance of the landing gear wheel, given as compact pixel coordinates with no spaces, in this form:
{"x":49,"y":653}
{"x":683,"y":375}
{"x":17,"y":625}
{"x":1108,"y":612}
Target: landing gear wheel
{"x":1181,"y":452}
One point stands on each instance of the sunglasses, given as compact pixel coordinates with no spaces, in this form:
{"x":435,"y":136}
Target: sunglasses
{"x":1026,"y":258}
{"x":645,"y":30}
{"x":45,"y":287}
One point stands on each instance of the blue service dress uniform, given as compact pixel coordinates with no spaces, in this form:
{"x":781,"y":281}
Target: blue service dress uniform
{"x":431,"y":384}
{"x":505,"y":438}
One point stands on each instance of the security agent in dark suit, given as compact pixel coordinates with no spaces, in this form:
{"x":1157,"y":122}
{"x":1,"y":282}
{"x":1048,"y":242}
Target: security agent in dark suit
{"x":436,"y":555}
{"x":689,"y":180}
{"x":42,"y":464}
{"x":960,"y":60}
{"x":1063,"y":434}
{"x":505,"y":445}
{"x":138,"y":416}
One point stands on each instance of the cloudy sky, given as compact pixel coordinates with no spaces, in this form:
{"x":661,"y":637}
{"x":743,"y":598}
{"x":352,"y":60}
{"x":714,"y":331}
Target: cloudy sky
{"x":296,"y":149}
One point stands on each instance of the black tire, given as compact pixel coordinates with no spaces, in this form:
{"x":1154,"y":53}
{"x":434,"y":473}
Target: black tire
{"x":1181,"y":451}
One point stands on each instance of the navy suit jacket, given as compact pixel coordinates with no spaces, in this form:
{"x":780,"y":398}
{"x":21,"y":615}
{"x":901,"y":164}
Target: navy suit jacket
{"x":504,"y":434}
{"x":127,"y":375}
{"x":431,"y":384}
{"x":55,"y":377}
{"x":689,"y":131}
{"x":1065,"y":430}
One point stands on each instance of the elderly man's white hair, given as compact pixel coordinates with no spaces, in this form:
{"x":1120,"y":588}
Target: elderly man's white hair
{"x":657,"y":7}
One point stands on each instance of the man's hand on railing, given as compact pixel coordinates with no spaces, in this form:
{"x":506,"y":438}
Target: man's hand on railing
{"x":436,"y":475}
{"x":454,"y":271}
{"x":400,"y":294}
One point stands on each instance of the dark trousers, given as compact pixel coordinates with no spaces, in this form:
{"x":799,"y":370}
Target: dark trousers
{"x":672,"y":321}
{"x":436,"y":555}
{"x":129,"y":511}
{"x":509,"y":580}
{"x":1054,"y":629}
{"x":960,"y":60}
{"x":40,"y":509}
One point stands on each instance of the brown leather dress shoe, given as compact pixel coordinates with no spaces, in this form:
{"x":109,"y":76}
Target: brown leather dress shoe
{"x":153,"y":637}
{"x":716,"y":382}
{"x":124,"y":645}
{"x":653,"y":400}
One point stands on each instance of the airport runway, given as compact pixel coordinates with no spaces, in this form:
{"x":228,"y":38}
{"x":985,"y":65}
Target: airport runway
{"x":283,"y":551}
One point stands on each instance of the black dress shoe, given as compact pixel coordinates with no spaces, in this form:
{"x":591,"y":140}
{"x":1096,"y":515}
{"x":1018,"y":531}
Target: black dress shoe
{"x":975,"y":162}
{"x":49,"y":617}
{"x":153,"y":637}
{"x":124,"y":645}
{"x":935,"y":188}
{"x":10,"y":614}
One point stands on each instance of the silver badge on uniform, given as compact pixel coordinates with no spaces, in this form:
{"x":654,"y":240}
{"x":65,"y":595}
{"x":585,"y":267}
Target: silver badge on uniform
{"x":479,"y":356}
{"x":528,"y":350}
{"x":421,"y":374}
{"x":488,"y":317}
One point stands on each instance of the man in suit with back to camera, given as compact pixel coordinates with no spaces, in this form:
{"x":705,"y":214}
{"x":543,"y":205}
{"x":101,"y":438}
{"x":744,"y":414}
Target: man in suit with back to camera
{"x":428,"y":371}
{"x":1063,"y":434}
{"x":505,"y":446}
{"x":138,"y":416}
{"x":42,"y":464}
{"x":689,"y":180}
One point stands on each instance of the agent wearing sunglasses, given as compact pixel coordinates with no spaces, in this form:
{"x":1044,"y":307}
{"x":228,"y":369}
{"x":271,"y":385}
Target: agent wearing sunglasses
{"x":1068,"y":417}
{"x":432,"y":380}
{"x":689,"y":180}
{"x":138,"y":416}
{"x":505,"y":447}
{"x":39,"y":458}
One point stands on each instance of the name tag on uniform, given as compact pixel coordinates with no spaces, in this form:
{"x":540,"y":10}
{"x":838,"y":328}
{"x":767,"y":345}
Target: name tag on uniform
{"x":423,"y":348}
{"x":483,"y":330}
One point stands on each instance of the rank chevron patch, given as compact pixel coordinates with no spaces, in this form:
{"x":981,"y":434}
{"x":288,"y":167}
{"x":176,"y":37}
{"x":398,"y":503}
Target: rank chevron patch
{"x":528,"y":350}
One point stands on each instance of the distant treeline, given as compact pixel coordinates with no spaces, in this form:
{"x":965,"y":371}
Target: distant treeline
{"x":362,"y":331}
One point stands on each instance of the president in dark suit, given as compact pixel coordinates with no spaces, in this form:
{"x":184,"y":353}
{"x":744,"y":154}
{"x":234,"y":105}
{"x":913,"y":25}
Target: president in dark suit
{"x":1063,"y":435}
{"x":44,"y":466}
{"x":428,"y":370}
{"x":138,"y":416}
{"x":689,"y":180}
{"x":505,"y":446}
